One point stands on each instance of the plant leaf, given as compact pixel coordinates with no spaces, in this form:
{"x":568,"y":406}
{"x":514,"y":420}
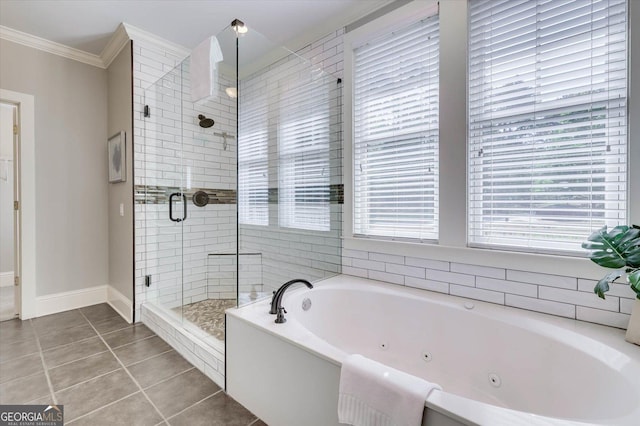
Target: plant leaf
{"x":634,"y":281}
{"x":603,"y":285}
{"x":615,"y":249}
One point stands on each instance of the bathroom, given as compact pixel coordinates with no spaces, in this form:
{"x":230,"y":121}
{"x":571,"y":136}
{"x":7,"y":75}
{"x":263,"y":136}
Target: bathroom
{"x":211,"y":257}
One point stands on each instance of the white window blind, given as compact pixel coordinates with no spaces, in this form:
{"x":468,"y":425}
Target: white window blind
{"x":304,"y":154}
{"x":396,"y":133}
{"x":547,"y":121}
{"x":253,"y":161}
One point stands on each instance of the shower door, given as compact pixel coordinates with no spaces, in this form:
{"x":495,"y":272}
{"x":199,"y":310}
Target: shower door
{"x":162,"y":197}
{"x":187,"y":196}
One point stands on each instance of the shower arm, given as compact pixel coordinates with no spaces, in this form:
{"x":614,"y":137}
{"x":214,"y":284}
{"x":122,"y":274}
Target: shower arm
{"x":224,"y":136}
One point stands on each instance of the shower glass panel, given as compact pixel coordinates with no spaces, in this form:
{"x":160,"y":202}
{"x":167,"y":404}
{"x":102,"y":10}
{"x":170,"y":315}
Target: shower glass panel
{"x":234,"y":208}
{"x":163,"y":181}
{"x":289,"y":167}
{"x":189,"y":195}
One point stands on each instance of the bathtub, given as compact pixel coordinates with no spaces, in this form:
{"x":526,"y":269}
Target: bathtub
{"x":496,"y":365}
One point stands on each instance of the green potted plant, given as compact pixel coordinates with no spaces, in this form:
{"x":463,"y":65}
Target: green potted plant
{"x":618,"y":249}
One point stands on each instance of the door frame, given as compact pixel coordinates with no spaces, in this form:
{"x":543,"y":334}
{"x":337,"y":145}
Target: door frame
{"x":25,"y":193}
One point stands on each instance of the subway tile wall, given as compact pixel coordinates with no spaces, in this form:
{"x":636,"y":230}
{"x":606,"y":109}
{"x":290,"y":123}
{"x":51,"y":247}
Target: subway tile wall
{"x":560,"y":295}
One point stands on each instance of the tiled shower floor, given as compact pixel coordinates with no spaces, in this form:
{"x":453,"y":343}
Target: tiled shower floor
{"x":208,"y":315}
{"x":108,"y":372}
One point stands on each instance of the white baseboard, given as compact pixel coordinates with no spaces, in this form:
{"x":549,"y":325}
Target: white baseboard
{"x":60,"y":302}
{"x":120,"y":303}
{"x":6,"y":279}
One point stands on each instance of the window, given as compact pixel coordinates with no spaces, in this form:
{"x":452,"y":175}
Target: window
{"x":304,"y":154}
{"x":253,"y":162}
{"x":547,"y":121}
{"x":396,"y":133}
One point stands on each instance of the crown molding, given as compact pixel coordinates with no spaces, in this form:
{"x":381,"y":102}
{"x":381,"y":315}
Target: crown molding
{"x":118,"y":40}
{"x":45,"y":45}
{"x":137,"y":34}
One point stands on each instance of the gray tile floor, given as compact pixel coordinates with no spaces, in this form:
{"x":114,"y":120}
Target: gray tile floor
{"x":108,"y":372}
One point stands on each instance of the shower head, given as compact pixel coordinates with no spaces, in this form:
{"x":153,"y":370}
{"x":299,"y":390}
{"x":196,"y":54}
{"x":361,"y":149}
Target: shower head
{"x":205,"y":122}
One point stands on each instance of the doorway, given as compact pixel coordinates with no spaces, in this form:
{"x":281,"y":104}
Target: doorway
{"x":9,"y":294}
{"x":24,"y":191}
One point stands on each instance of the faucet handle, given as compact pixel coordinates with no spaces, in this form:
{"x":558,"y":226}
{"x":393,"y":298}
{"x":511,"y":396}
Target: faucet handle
{"x":280,"y":317}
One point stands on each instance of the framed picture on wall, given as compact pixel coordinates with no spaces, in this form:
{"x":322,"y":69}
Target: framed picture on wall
{"x":117,"y":157}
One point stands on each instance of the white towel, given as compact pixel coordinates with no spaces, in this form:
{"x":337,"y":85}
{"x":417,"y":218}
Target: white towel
{"x":203,"y":69}
{"x":373,"y":394}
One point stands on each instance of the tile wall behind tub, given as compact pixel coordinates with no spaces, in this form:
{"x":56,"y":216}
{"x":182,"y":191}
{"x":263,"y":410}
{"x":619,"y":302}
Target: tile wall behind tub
{"x":296,"y":253}
{"x":560,"y":295}
{"x":167,"y":143}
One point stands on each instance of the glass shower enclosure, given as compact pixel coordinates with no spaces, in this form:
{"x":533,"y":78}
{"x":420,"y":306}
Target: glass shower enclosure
{"x":243,"y":191}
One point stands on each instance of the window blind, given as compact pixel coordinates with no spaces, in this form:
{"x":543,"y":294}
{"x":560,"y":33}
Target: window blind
{"x":253,"y":161}
{"x":547,"y":121}
{"x":396,"y":133}
{"x":304,"y":154}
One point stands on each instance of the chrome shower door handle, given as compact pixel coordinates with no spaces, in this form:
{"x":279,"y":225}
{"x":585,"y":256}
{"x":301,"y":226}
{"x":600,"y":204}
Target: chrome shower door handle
{"x":184,"y":207}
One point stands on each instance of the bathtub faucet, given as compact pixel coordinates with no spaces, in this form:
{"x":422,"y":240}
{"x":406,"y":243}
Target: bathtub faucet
{"x":276,"y":301}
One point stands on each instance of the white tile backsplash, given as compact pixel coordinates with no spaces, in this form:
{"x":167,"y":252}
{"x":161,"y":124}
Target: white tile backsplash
{"x":439,"y":286}
{"x":477,"y":293}
{"x":384,"y":276}
{"x":611,"y":303}
{"x":539,"y":305}
{"x":410,"y":271}
{"x":560,"y":295}
{"x":368,"y":264}
{"x":450,"y":277}
{"x":481,"y":271}
{"x":427,"y":263}
{"x":626,"y":305}
{"x":559,"y":281}
{"x":387,"y":258}
{"x":512,"y":287}
{"x":613,"y":319}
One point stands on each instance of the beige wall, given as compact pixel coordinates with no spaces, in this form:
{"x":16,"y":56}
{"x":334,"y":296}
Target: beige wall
{"x":120,"y":104}
{"x":71,"y":165}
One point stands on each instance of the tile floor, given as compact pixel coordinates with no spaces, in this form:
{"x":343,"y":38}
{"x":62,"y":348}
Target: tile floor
{"x":108,"y":372}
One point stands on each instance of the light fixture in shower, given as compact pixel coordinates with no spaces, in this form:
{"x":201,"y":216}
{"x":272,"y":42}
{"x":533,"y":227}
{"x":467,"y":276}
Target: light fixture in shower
{"x":205,"y":122}
{"x":231,"y":92}
{"x":239,"y":27}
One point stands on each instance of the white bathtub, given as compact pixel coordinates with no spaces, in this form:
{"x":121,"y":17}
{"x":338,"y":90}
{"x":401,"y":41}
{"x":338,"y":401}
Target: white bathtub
{"x":496,"y":365}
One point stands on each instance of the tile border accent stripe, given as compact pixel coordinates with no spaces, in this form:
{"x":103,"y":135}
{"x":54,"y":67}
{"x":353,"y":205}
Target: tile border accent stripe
{"x":152,"y":194}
